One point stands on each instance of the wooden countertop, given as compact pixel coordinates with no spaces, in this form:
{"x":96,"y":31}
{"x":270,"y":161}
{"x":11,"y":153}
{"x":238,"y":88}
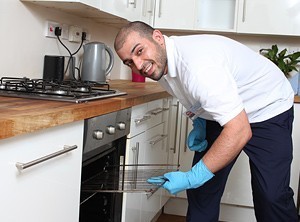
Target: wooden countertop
{"x":19,"y":115}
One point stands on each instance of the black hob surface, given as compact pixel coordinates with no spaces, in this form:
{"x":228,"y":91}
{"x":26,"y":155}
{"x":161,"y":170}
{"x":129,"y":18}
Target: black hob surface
{"x":70,"y":91}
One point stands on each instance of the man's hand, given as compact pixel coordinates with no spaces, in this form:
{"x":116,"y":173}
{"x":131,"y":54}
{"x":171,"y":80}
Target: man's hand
{"x":178,"y":181}
{"x":196,"y":139}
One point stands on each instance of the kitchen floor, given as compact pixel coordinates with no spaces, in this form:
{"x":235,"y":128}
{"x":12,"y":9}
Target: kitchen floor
{"x":170,"y":218}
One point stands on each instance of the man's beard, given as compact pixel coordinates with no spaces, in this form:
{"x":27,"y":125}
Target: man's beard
{"x":161,"y":62}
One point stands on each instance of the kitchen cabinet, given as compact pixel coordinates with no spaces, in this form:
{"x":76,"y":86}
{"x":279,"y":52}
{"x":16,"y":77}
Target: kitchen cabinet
{"x":127,"y":9}
{"x":148,"y":10}
{"x":146,"y":144}
{"x":175,"y":14}
{"x":48,"y":191}
{"x":185,"y":154}
{"x":66,"y":3}
{"x":275,"y":17}
{"x":271,"y":17}
{"x":180,"y":154}
{"x":216,"y":15}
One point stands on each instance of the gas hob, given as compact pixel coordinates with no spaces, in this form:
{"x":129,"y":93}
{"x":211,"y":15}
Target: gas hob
{"x":68,"y":91}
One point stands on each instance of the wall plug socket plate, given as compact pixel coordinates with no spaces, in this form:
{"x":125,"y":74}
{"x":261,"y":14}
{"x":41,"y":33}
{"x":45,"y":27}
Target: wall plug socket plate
{"x":75,"y":34}
{"x":88,"y":35}
{"x":65,"y":32}
{"x":50,"y":29}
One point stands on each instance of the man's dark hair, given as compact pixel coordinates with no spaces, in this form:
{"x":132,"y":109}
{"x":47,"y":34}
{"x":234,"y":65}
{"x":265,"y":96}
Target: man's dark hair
{"x":143,"y":29}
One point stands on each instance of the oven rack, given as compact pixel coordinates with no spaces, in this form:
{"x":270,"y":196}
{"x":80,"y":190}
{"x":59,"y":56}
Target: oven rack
{"x":131,"y":178}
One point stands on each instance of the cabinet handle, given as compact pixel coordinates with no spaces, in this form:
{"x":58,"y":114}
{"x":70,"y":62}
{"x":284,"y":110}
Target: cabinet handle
{"x":244,"y":11}
{"x":132,"y":3}
{"x":22,"y":166}
{"x":186,"y":133}
{"x":153,"y":142}
{"x":145,"y":118}
{"x":157,"y":111}
{"x":135,"y":162}
{"x":144,"y":7}
{"x":159,"y":8}
{"x":176,"y":126}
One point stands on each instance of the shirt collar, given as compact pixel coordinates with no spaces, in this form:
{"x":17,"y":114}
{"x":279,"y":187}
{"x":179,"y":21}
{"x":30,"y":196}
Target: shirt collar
{"x":170,"y":48}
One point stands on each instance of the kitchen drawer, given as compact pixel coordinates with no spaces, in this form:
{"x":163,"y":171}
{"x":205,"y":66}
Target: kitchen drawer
{"x":145,"y":116}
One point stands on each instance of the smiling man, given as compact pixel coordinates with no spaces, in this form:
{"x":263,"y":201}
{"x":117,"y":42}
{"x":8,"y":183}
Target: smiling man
{"x":238,"y":101}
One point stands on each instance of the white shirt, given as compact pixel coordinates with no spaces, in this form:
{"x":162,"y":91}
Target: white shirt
{"x":217,"y":77}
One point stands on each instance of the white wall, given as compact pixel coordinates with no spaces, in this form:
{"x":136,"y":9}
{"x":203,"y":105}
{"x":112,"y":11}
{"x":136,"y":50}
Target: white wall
{"x":23,"y":44}
{"x":23,"y":41}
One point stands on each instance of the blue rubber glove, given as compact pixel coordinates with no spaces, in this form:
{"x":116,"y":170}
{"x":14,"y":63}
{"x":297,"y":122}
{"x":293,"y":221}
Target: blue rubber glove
{"x":196,"y":139}
{"x":179,"y":181}
{"x":158,"y":180}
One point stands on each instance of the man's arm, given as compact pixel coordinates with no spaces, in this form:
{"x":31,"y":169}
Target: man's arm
{"x":235,"y":134}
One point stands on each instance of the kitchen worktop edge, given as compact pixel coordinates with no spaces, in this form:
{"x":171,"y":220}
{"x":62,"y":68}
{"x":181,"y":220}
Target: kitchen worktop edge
{"x":19,"y":116}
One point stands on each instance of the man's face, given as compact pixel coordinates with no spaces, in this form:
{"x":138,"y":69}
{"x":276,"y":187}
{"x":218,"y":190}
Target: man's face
{"x":145,"y":56}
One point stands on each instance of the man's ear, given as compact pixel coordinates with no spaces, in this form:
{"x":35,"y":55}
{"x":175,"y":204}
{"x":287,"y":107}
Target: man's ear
{"x":158,"y":37}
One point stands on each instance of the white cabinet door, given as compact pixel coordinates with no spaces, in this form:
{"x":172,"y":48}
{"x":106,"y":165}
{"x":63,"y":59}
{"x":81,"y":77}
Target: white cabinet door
{"x":269,"y":17}
{"x":48,"y":191}
{"x":154,"y":150}
{"x":295,"y":172}
{"x":127,"y":9}
{"x":148,"y":9}
{"x":216,"y":15}
{"x":185,"y":154}
{"x":146,"y":144}
{"x":175,"y":14}
{"x":148,"y":147}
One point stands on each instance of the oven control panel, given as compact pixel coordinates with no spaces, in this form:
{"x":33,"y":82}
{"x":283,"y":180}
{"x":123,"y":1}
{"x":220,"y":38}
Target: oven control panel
{"x":104,"y":129}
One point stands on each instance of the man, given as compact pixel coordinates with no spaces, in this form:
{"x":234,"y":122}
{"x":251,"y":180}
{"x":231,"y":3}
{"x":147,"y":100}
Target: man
{"x":247,"y":104}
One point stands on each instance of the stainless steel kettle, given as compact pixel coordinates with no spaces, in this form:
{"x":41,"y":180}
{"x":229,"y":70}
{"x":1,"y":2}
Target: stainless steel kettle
{"x":94,"y":64}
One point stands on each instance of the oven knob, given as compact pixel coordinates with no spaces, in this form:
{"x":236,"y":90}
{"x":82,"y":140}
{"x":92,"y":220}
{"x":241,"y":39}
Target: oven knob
{"x":110,"y":130}
{"x":98,"y":135}
{"x":121,"y":125}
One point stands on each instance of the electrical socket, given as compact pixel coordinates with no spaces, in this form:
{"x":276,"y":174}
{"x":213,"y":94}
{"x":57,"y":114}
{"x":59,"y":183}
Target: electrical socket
{"x":65,"y":32}
{"x":88,"y":35}
{"x":75,"y":34}
{"x":50,"y":29}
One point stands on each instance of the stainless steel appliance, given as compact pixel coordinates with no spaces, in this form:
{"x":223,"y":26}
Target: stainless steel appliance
{"x":105,"y":176}
{"x":104,"y":147}
{"x":69,"y":91}
{"x":95,"y":65}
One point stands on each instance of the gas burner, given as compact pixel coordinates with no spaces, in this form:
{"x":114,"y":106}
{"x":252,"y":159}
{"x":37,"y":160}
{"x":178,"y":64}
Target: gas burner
{"x":71,"y":90}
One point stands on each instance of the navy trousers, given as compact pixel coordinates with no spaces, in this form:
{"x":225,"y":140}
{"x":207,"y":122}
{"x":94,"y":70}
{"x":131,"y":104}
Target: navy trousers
{"x":270,"y":153}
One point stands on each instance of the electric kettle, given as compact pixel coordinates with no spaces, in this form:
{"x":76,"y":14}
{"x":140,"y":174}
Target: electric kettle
{"x":95,"y":66}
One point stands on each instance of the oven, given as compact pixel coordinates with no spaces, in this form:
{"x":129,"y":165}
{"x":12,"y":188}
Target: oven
{"x":103,"y":152}
{"x":105,"y":174}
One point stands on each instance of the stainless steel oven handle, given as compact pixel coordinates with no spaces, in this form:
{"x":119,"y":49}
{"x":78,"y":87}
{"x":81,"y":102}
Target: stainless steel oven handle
{"x":22,"y":166}
{"x":153,"y":142}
